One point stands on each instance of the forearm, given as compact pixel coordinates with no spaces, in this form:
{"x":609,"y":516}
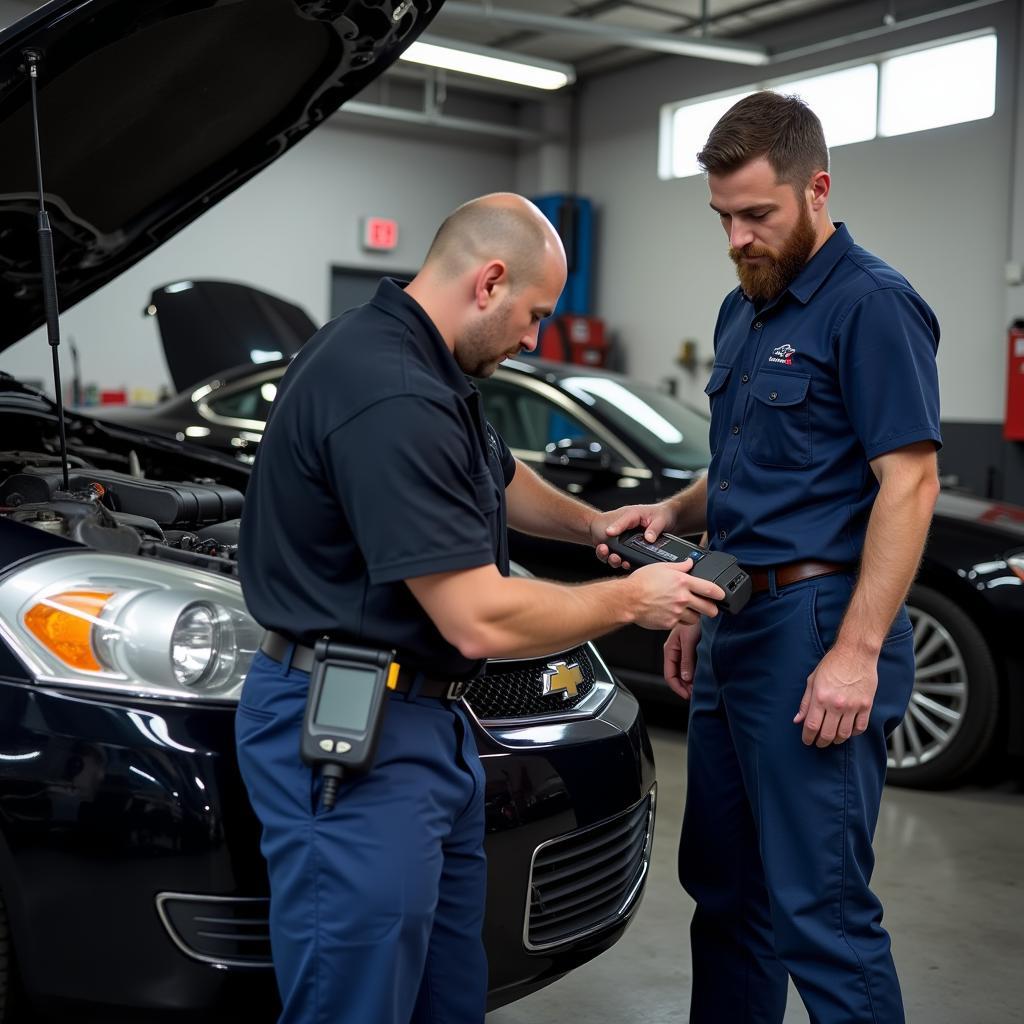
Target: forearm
{"x":529,"y":618}
{"x":537,"y":508}
{"x":896,"y":535}
{"x":486,"y":615}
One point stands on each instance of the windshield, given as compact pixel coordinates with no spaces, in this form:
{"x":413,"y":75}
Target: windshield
{"x":655,"y":420}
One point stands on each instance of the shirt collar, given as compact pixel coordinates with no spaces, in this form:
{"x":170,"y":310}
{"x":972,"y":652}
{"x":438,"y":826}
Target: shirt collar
{"x":392,"y":298}
{"x":821,"y":264}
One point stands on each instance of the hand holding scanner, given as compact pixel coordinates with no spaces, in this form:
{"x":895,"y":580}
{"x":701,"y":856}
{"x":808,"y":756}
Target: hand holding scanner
{"x":716,"y":566}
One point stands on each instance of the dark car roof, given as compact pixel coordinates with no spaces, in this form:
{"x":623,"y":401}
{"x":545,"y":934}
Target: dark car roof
{"x":152,"y":111}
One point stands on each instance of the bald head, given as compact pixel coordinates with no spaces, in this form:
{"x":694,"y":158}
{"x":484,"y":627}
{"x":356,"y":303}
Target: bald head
{"x":493,"y":274}
{"x":501,"y":226}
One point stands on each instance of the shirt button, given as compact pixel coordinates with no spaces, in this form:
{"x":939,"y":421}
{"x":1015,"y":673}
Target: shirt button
{"x":736,"y":430}
{"x":722,"y":534}
{"x":773,"y":396}
{"x":724,"y":485}
{"x":745,"y":378}
{"x":757,"y":325}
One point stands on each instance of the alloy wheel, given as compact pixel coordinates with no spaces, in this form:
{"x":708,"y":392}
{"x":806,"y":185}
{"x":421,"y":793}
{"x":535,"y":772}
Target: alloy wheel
{"x":939,"y":700}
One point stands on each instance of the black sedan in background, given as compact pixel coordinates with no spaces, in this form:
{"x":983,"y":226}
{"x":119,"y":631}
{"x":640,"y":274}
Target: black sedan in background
{"x":613,"y":441}
{"x":226,"y":413}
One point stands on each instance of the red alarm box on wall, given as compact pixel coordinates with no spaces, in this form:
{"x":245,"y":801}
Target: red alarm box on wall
{"x":574,"y":339}
{"x":1013,"y":425}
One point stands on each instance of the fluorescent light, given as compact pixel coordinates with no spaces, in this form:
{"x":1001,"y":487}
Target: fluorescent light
{"x":484,"y":62}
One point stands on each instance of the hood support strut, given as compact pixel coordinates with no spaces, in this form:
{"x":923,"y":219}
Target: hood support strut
{"x":47,"y":264}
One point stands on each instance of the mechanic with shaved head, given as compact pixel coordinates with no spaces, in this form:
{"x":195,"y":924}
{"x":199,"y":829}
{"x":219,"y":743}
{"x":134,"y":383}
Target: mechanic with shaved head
{"x":376,"y":516}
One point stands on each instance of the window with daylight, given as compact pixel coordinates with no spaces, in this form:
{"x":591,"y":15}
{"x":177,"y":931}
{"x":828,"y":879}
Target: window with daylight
{"x":691,"y":123}
{"x":925,"y":88}
{"x":845,"y":102}
{"x":940,"y":86}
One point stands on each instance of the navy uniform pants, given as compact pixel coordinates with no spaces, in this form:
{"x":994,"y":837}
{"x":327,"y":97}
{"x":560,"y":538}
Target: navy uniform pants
{"x":776,"y":839}
{"x":376,"y":907}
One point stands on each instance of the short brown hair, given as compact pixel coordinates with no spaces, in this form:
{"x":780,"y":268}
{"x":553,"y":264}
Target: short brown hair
{"x":783,"y":129}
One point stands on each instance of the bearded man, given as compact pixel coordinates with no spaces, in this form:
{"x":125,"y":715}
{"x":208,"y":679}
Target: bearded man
{"x":824,"y":432}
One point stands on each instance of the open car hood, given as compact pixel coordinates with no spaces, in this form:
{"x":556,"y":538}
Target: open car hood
{"x":152,"y":111}
{"x":207,"y":327}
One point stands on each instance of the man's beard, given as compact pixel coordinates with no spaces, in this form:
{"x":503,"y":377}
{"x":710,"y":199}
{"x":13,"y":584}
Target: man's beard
{"x":479,"y":350}
{"x":769,"y":278}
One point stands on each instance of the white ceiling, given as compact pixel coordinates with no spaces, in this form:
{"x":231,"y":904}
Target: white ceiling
{"x":779,"y":25}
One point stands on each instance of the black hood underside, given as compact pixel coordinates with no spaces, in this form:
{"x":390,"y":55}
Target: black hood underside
{"x":152,"y":111}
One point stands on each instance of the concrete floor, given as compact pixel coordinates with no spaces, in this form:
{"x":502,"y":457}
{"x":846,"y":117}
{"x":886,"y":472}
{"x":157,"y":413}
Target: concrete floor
{"x":950,"y":873}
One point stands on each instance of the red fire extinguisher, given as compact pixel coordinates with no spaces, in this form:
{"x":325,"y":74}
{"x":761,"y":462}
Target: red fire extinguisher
{"x":1013,"y":426}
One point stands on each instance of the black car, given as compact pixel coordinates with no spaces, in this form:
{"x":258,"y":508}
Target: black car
{"x":204,"y":327}
{"x":613,"y":441}
{"x":130,"y":871}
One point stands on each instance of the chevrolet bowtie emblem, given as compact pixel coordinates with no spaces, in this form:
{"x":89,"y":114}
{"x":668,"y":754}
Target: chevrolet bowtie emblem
{"x":561,"y":676}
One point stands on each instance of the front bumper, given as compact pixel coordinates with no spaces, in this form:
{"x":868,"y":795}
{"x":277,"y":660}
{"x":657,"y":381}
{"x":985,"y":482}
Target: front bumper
{"x":116,"y":815}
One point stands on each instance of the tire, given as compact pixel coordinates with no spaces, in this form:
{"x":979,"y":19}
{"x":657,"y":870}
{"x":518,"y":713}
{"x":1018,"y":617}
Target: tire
{"x":954,"y":709}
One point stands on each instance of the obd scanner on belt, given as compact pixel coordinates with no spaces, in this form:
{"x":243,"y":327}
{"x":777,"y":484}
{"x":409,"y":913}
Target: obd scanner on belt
{"x":716,"y":566}
{"x":348,"y":687}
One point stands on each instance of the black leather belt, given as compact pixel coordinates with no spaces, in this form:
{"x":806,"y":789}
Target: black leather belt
{"x":276,"y":646}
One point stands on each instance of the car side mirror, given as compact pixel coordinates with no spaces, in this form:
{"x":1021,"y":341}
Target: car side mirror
{"x":580,"y":453}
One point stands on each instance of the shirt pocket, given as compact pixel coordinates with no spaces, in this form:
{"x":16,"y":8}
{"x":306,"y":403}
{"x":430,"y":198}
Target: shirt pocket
{"x":715,"y":391}
{"x":778,"y":430}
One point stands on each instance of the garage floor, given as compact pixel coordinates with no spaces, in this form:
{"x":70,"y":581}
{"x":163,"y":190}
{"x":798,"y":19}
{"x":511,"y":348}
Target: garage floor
{"x":950,"y":872}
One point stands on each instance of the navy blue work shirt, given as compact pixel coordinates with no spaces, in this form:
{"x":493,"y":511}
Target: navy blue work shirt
{"x":806,"y":389}
{"x":377,"y":466}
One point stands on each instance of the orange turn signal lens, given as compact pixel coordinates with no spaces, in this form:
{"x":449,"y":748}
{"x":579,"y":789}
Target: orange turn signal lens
{"x":63,"y":624}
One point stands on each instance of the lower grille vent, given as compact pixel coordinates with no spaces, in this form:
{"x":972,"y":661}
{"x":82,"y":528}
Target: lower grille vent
{"x":218,"y":929}
{"x":590,"y":879}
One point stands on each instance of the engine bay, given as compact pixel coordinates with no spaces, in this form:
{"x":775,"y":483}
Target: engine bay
{"x":128,"y":493}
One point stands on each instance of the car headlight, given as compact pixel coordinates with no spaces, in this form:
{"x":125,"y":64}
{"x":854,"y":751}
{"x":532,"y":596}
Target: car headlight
{"x":1016,"y":564}
{"x":135,"y":625}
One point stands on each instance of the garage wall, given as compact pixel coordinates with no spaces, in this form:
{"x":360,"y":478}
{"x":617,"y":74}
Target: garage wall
{"x":282,"y":231}
{"x":936,"y":204}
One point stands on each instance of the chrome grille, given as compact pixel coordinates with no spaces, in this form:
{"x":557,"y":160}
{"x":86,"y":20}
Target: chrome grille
{"x":218,"y":929}
{"x":515,"y":689}
{"x":590,"y":879}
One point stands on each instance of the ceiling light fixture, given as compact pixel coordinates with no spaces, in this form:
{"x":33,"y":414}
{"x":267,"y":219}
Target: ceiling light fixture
{"x":470,"y":59}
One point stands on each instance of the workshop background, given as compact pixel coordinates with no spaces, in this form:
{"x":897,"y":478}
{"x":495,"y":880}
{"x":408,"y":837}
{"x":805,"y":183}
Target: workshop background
{"x":944,"y":205}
